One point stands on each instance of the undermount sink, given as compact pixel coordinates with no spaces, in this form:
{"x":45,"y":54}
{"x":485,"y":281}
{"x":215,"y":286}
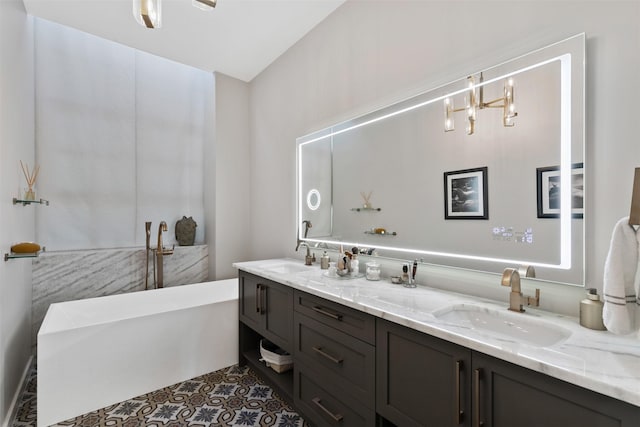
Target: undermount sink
{"x":287,"y":268}
{"x":519,"y":327}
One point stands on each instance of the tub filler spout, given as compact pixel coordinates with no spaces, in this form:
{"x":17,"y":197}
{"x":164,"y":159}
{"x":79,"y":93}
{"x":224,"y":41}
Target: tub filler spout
{"x":160,"y":253}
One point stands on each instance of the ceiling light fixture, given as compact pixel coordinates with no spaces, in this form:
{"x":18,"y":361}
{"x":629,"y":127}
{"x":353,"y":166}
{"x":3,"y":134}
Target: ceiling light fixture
{"x":472,"y":105}
{"x":204,"y":4}
{"x":148,"y":13}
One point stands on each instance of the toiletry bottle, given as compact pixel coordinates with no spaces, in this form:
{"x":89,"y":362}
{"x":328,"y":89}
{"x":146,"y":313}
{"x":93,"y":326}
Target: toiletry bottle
{"x":405,"y":273}
{"x":591,"y":311}
{"x":355,"y":263}
{"x":324,"y":261}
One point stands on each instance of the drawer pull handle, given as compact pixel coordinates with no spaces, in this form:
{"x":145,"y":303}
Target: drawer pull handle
{"x":477,"y":376}
{"x":335,"y":417}
{"x":326,"y":355}
{"x":259,"y":298}
{"x":459,"y":411}
{"x":327,"y":313}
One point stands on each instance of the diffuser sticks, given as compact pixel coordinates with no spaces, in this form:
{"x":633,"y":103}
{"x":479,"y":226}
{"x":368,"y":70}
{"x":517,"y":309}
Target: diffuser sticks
{"x":31,"y":177}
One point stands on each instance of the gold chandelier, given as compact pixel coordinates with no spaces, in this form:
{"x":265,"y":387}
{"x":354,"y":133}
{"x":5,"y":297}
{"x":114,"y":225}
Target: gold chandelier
{"x":473,"y":103}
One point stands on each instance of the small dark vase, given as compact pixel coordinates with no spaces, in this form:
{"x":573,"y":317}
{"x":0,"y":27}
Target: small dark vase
{"x":186,"y":231}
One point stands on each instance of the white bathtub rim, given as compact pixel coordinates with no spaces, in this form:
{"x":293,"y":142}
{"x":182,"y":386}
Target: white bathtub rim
{"x":52,"y":321}
{"x":136,"y":355}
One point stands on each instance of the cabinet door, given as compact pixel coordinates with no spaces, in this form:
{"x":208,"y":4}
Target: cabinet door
{"x":506,"y":395}
{"x":248,"y":300}
{"x":421,"y":380}
{"x":277,"y":303}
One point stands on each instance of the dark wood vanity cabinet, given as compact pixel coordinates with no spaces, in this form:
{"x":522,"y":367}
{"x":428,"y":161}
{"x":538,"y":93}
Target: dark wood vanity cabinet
{"x":334,"y":363}
{"x":267,"y":308}
{"x":353,"y":369}
{"x":426,"y":381}
{"x":266,"y":311}
{"x":421,"y":380}
{"x":505,"y":394}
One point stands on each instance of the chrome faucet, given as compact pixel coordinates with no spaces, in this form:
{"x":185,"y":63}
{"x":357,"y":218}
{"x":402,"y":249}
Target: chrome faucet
{"x":511,"y":278}
{"x":160,"y":253}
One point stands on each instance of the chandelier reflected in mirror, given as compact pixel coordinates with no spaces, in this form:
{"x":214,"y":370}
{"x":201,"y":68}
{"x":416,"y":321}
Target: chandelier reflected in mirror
{"x":474,"y":101}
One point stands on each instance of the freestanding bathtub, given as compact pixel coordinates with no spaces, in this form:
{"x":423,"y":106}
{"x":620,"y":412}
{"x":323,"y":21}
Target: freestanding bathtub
{"x":96,"y":352}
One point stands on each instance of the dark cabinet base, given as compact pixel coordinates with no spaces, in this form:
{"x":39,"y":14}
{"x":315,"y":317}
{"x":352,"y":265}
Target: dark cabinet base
{"x":266,"y":311}
{"x":421,"y":380}
{"x":416,"y":386}
{"x":250,"y":356}
{"x":511,"y":395}
{"x":323,"y":405}
{"x":352,"y":369}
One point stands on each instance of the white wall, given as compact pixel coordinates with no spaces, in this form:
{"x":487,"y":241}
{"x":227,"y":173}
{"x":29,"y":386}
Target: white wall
{"x":229,"y":163}
{"x":16,"y":143}
{"x":119,"y":137}
{"x":370,"y":53}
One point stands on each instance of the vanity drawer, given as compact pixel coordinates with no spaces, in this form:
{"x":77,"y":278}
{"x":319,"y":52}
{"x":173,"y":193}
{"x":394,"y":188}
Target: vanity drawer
{"x":341,"y":360}
{"x":324,"y":405}
{"x":353,"y":322}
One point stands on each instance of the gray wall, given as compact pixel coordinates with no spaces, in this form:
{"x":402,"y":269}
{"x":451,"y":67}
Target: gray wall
{"x":227,"y":164}
{"x":16,"y":143}
{"x":370,"y":53}
{"x":120,"y":136}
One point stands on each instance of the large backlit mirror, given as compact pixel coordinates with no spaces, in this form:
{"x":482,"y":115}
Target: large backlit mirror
{"x":483,"y":173}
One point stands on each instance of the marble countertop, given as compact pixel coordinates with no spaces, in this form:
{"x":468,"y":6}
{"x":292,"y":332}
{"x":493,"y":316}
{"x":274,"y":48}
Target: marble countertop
{"x":596,"y":360}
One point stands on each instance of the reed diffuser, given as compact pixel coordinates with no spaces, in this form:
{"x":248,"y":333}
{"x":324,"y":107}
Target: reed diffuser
{"x":31,"y":177}
{"x":366,"y":198}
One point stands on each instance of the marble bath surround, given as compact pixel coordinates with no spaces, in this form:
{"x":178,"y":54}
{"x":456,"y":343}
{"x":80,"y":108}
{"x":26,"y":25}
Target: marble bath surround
{"x":596,"y":360}
{"x":73,"y":275}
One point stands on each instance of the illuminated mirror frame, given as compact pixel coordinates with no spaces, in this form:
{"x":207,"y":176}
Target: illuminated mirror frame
{"x":570,"y":67}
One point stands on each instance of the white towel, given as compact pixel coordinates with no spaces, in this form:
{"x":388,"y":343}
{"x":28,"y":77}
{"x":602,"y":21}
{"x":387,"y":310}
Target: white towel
{"x":622,"y":280}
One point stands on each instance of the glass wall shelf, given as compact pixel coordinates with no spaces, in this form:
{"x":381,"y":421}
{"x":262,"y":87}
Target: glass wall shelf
{"x":366,"y":209}
{"x":17,"y":201}
{"x":382,"y":233}
{"x":12,"y":255}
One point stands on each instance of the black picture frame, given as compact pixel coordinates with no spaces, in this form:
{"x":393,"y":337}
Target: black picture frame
{"x":548,"y":186}
{"x":466,"y":194}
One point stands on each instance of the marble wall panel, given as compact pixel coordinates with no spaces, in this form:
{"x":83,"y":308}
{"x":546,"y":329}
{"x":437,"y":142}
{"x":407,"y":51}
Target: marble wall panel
{"x":72,"y":275}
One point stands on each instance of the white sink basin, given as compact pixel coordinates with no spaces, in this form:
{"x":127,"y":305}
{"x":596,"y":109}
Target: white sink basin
{"x":288,"y":268}
{"x":503,"y":324}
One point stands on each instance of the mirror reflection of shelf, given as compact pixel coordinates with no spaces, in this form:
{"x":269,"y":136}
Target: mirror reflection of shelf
{"x":17,"y":201}
{"x":366,"y":209}
{"x":13,"y":255}
{"x":381,"y":232}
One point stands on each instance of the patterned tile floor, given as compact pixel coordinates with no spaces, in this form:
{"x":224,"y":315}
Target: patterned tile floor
{"x":233,"y":396}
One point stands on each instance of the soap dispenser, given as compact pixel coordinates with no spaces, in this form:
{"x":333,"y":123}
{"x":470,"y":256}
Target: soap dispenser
{"x":324,"y":261}
{"x":591,"y":311}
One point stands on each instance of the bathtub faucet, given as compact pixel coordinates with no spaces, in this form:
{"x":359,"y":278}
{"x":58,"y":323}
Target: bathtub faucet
{"x":160,"y":253}
{"x":147,"y":228}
